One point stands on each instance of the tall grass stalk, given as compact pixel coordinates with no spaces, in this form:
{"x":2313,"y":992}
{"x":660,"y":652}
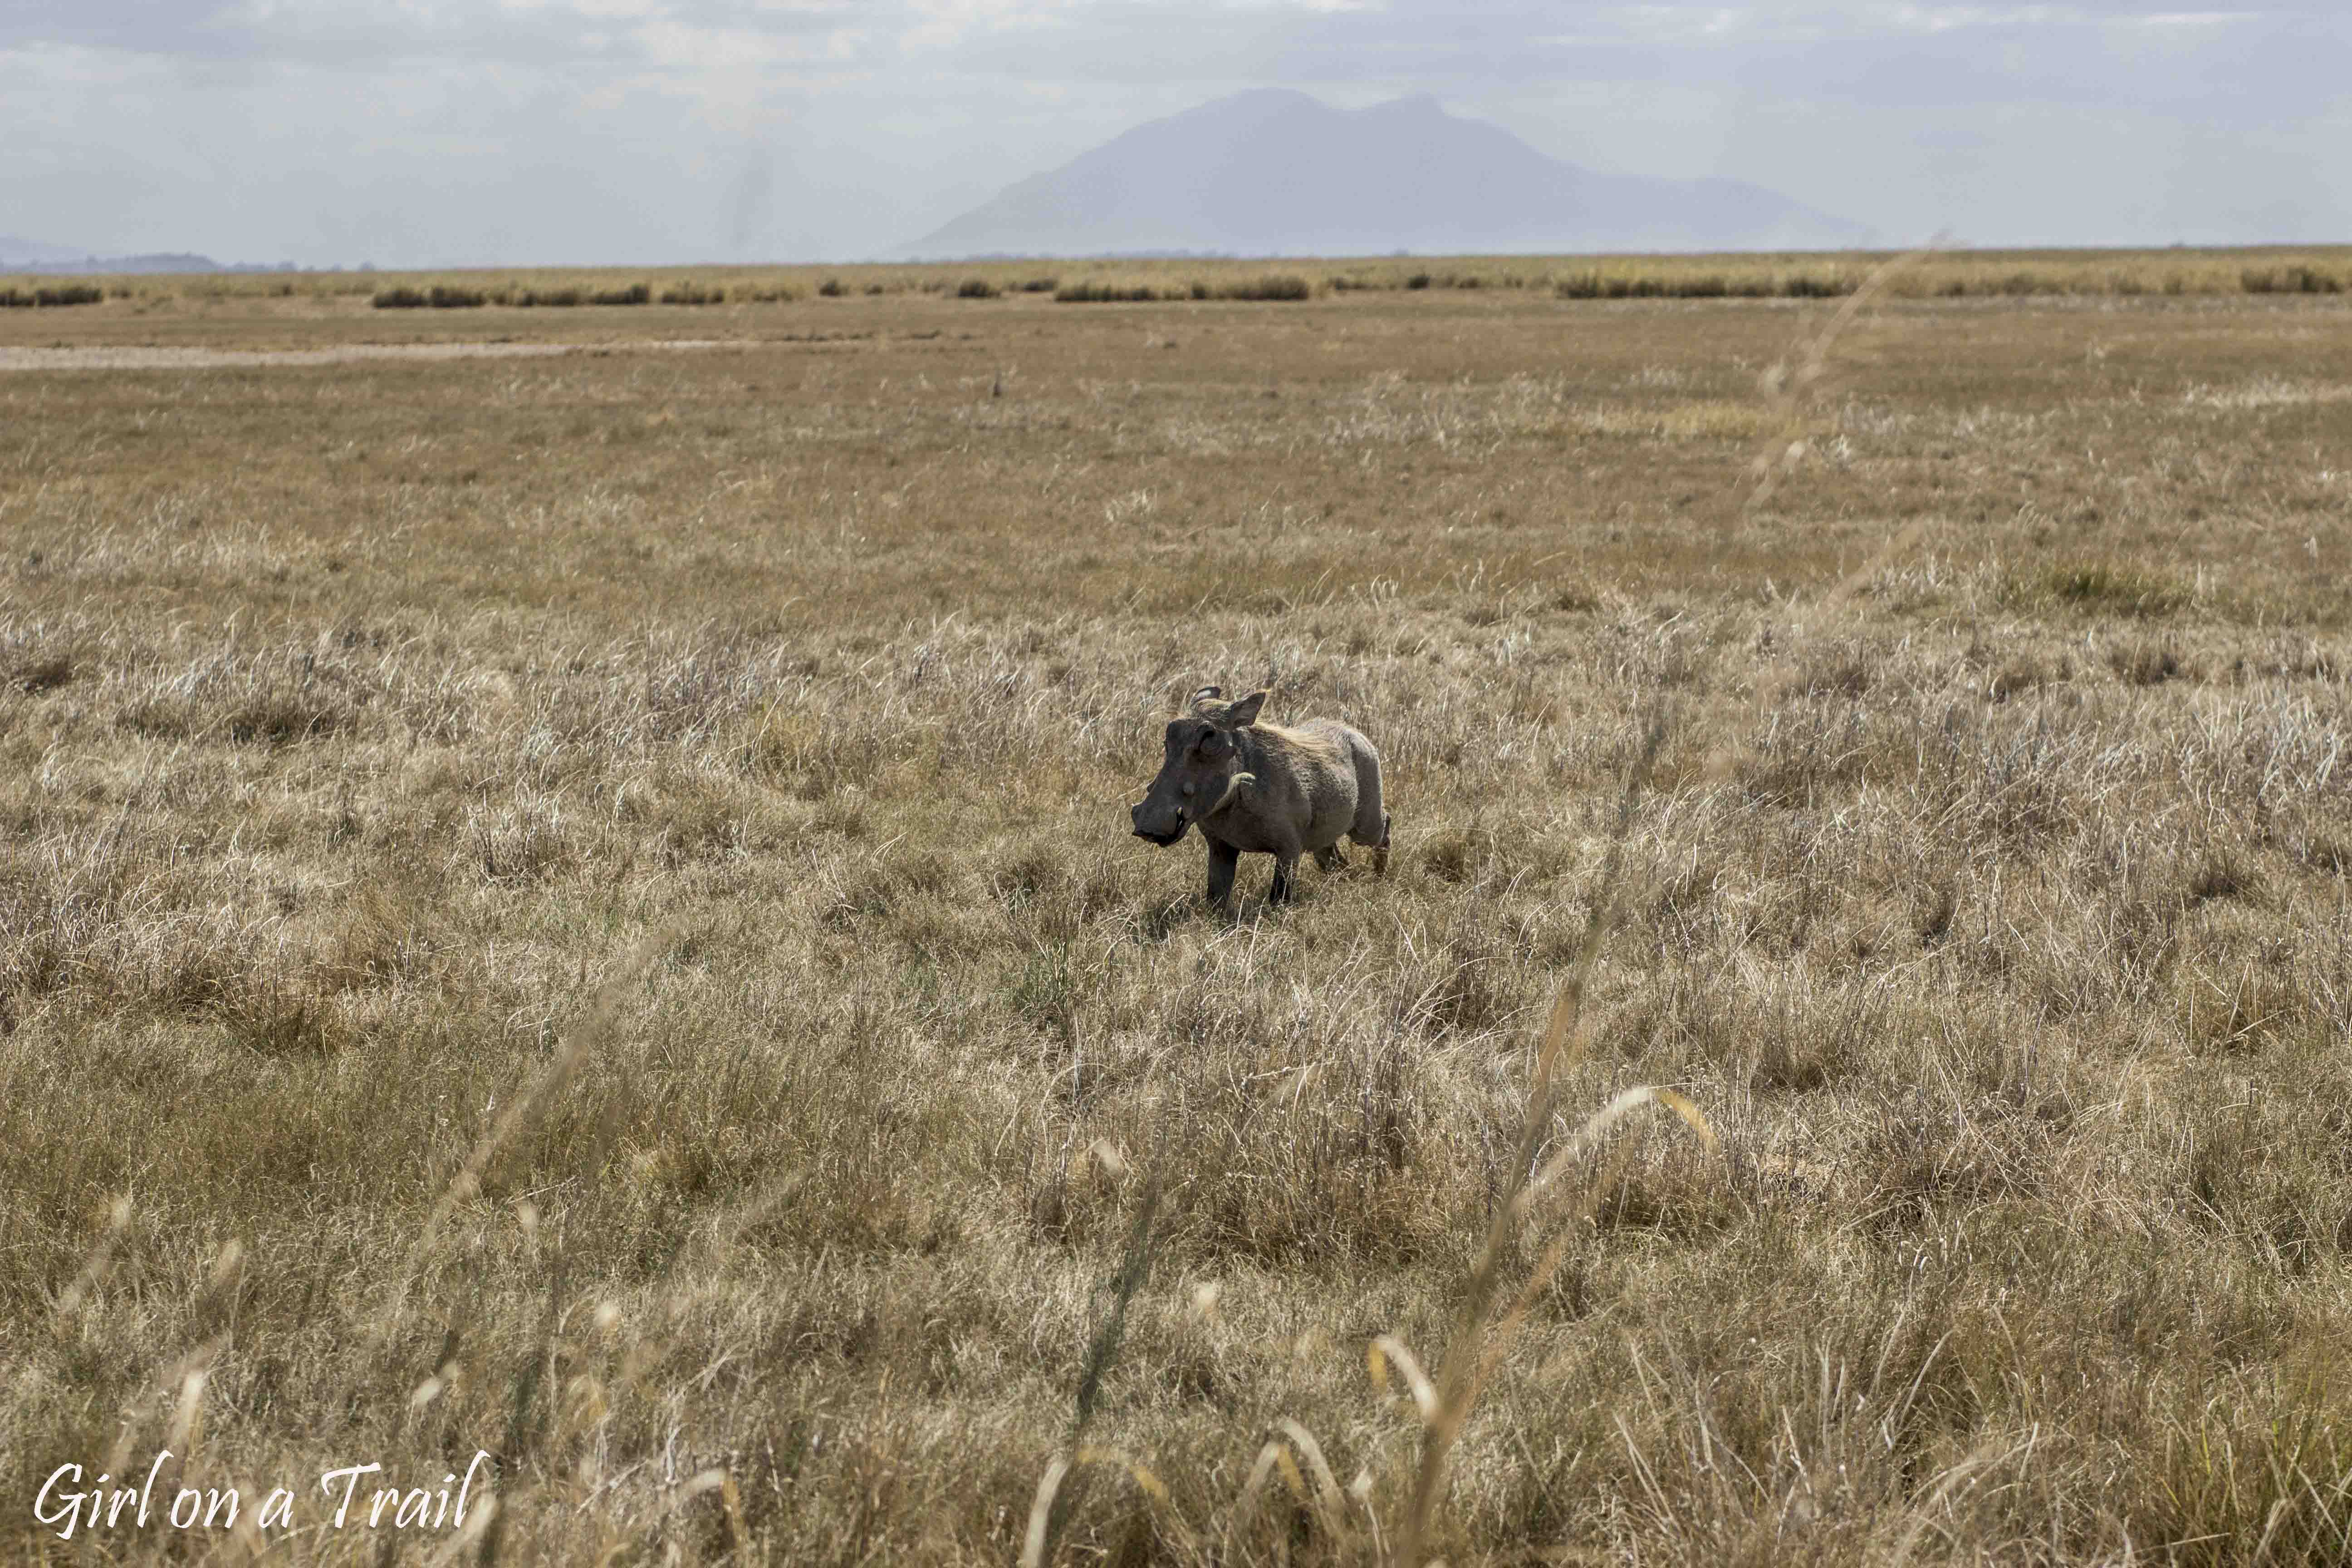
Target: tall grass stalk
{"x":1058,"y":1490}
{"x":1483,"y":1333}
{"x":1478,"y":1334}
{"x":522,"y":1113}
{"x":1788,"y":385}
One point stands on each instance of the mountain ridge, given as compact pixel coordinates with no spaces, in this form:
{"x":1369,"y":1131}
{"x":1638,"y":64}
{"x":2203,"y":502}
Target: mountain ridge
{"x":1273,"y":172}
{"x":22,"y":257}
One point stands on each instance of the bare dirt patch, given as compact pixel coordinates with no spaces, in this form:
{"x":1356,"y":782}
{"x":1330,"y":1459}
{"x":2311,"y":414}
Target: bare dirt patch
{"x":114,"y":356}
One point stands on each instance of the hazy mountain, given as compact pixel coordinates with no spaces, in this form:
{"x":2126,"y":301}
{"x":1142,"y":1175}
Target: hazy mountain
{"x":15,"y":252}
{"x":1272,"y":173}
{"x":167,"y":261}
{"x":18,"y":255}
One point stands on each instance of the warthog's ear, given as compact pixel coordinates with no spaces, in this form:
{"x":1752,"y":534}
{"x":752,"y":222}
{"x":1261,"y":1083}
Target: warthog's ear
{"x":1202,"y":698}
{"x":1244,"y":713}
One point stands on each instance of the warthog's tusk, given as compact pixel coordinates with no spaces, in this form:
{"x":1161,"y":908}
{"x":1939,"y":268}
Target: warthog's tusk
{"x":1232,"y":788}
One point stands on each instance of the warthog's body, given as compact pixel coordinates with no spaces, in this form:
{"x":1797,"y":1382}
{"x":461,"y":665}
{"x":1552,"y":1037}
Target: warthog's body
{"x":1261,"y":789}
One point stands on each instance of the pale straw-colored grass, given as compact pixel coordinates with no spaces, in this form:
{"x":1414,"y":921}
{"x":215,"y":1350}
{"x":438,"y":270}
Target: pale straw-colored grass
{"x":1979,"y":890}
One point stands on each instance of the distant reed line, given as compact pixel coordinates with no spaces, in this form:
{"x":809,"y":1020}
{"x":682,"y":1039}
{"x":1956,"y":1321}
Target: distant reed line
{"x":50,"y":297}
{"x":2016,"y":274}
{"x":1597,"y":282}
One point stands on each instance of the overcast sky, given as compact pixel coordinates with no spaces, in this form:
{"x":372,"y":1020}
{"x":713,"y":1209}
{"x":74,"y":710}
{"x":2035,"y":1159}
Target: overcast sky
{"x":442,"y":133}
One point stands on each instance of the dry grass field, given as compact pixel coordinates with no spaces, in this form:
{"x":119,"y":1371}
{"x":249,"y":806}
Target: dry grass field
{"x":565,"y":890}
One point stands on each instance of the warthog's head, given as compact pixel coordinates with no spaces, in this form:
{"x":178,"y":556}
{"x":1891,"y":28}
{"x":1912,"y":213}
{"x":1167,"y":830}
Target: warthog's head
{"x":1203,"y":771}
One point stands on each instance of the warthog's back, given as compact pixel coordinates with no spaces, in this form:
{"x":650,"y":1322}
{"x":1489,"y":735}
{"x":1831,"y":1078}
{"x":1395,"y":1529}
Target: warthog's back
{"x":1316,"y":779}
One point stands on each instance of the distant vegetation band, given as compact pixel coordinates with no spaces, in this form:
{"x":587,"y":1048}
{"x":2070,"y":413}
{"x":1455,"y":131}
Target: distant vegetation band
{"x":1949,"y":275}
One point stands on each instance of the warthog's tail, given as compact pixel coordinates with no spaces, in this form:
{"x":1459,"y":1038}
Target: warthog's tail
{"x":1371,"y":824}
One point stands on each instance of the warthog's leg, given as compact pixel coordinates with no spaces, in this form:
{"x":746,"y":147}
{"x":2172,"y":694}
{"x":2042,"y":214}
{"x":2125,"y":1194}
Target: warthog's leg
{"x":1381,"y":854}
{"x":1330,"y":858}
{"x":1285,"y":879}
{"x":1223,"y":859}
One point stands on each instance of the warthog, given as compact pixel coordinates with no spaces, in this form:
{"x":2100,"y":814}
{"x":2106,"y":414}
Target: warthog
{"x":1259,"y":789}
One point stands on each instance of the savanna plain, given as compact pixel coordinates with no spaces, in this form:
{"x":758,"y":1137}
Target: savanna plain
{"x":565,"y":890}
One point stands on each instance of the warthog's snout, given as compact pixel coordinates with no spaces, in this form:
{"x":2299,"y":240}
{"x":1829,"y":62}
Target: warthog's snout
{"x":1155,"y":818}
{"x":1156,"y":824}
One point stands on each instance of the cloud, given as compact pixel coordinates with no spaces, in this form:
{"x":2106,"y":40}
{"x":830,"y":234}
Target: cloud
{"x":2266,"y":68}
{"x":628,"y":130}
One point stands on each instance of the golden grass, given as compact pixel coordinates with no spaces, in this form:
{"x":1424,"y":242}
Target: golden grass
{"x":940,"y":1182}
